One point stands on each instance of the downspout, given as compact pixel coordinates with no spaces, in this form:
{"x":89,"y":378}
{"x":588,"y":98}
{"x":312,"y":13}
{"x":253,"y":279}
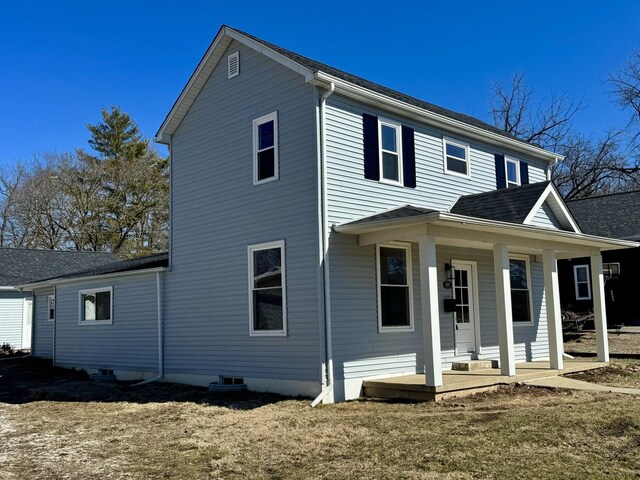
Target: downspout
{"x":325,"y":250}
{"x":160,"y":336}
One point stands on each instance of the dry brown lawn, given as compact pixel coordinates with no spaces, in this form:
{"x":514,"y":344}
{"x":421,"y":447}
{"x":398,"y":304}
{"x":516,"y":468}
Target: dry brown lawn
{"x":585,"y":342}
{"x":622,"y":372}
{"x":55,"y":424}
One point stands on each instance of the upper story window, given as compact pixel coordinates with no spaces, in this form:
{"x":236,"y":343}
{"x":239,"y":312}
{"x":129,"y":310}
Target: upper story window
{"x":51,"y":308}
{"x":520,"y":290}
{"x":394,"y":288}
{"x":267,"y":289}
{"x":96,"y":306}
{"x":582,"y":282}
{"x":390,"y":152}
{"x":456,"y":157}
{"x":513,"y":172}
{"x":265,"y":148}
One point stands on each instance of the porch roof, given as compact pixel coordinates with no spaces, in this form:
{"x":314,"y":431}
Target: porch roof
{"x":408,"y":222}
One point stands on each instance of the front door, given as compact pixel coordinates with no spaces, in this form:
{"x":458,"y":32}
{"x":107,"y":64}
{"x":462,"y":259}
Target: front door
{"x":465,"y":313}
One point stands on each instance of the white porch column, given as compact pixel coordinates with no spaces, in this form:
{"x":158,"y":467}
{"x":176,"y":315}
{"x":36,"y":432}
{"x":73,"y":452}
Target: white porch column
{"x":430,"y":311}
{"x":552,"y":298}
{"x":503,"y":307}
{"x":599,"y":310}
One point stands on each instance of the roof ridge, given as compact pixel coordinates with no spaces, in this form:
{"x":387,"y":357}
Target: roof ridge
{"x":54,"y":250}
{"x":602,"y":196}
{"x":510,"y":189}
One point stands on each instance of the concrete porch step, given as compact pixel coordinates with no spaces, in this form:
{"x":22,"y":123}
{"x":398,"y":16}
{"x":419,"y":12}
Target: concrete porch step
{"x":473,"y":365}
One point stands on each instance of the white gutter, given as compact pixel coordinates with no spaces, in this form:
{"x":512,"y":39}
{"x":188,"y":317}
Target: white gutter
{"x":420,"y":114}
{"x":160,"y":336}
{"x":61,"y":281}
{"x":325,"y":250}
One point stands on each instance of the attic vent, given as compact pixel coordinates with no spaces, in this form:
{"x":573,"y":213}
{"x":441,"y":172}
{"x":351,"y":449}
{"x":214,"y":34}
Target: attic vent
{"x":233,"y":62}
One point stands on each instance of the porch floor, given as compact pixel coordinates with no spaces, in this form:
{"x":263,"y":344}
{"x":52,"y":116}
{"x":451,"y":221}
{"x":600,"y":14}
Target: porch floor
{"x":458,"y":383}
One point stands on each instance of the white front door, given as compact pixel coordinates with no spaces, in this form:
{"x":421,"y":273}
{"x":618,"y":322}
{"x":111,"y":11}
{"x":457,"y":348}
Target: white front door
{"x":465,"y":320}
{"x":27,"y":313}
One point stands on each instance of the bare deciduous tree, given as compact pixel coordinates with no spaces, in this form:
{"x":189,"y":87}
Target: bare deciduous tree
{"x":626,"y":88}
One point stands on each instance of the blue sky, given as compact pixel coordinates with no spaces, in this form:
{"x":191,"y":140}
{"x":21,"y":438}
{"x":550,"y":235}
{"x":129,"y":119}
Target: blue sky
{"x":62,"y":61}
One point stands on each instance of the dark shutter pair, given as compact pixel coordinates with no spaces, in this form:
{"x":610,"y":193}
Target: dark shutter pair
{"x":372,"y":151}
{"x":501,"y":172}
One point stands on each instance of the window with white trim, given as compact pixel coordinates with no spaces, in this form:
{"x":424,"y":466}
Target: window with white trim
{"x":611,"y":270}
{"x":265,"y":148}
{"x":267,"y":289}
{"x":96,"y":306}
{"x":390,"y":152}
{"x":51,"y":308}
{"x":582,"y":282}
{"x":456,"y":157}
{"x":520,"y":290}
{"x":395,"y":312}
{"x":512,"y":170}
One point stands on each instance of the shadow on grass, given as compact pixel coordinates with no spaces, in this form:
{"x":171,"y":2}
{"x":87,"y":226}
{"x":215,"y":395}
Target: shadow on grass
{"x":31,"y":380}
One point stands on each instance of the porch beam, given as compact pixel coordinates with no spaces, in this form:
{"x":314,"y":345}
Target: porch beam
{"x":430,"y":311}
{"x":552,"y":299}
{"x":392,"y":234}
{"x":442,"y":231}
{"x":503,"y":307}
{"x":599,"y":308}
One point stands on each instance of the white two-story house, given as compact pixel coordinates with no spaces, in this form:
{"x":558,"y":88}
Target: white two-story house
{"x":326,"y":230}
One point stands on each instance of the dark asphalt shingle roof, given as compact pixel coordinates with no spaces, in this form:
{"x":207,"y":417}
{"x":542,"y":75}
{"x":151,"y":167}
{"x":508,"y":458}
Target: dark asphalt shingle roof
{"x":401,"y":212}
{"x":316,"y":66}
{"x":20,"y":265}
{"x":149,"y":261}
{"x":505,"y":205}
{"x":613,"y":216}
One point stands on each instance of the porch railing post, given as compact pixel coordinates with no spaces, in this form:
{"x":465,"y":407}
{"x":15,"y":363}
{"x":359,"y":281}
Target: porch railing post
{"x":503,"y":308}
{"x":552,"y":299}
{"x":599,"y":308}
{"x":430,"y":311}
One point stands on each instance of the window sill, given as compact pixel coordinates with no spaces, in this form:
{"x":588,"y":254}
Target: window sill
{"x":457,"y":174}
{"x":522,"y":324}
{"x":95,"y":322}
{"x":278,"y":333}
{"x":265,"y":180}
{"x":391,"y":182}
{"x":396,"y":329}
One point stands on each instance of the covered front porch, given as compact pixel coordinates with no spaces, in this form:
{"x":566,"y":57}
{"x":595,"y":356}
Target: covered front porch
{"x":502,"y":241}
{"x":461,"y":383}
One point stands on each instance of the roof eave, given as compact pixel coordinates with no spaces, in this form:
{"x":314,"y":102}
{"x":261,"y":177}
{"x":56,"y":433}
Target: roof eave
{"x":81,"y":278}
{"x":435,"y":119}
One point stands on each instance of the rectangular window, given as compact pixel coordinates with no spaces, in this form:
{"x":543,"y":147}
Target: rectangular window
{"x":390,"y":152}
{"x":96,"y":306}
{"x":51,"y":308}
{"x":513,"y":172}
{"x":267,"y":289}
{"x":456,"y":158}
{"x":394,"y":288}
{"x":265,"y":148}
{"x":611,"y":270}
{"x":582,"y":281}
{"x":520,"y":290}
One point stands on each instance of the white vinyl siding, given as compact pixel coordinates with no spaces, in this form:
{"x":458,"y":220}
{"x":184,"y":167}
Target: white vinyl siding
{"x":582,"y":282}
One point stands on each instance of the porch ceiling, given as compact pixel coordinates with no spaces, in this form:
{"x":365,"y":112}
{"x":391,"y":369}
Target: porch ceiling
{"x":471,"y":232}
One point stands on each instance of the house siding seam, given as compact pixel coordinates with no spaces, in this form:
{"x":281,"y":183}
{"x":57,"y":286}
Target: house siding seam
{"x":42,"y":327}
{"x":217,"y":213}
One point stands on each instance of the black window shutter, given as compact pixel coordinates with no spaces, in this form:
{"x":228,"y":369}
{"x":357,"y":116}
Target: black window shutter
{"x":501,"y":175}
{"x":408,"y":157}
{"x":524,"y":173}
{"x":371,"y":161}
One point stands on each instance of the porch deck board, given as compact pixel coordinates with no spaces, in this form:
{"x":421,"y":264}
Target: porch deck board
{"x":458,"y":383}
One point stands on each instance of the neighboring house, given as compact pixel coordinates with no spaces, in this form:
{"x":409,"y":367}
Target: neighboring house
{"x":327,"y":230}
{"x":19,"y":266}
{"x":616,"y":216}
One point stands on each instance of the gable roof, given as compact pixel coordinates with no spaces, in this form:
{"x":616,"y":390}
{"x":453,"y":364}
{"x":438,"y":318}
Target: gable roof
{"x":407,"y":211}
{"x":516,"y":205}
{"x":505,"y":205}
{"x":615,"y":216}
{"x":20,"y":265}
{"x":321,"y":74}
{"x":156,"y":260}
